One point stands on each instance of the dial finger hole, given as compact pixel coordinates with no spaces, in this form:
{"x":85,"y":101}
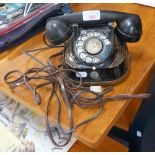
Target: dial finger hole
{"x":79,"y":49}
{"x":82,"y":56}
{"x":80,"y":43}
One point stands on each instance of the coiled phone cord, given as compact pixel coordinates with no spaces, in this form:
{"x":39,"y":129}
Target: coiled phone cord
{"x":71,"y":93}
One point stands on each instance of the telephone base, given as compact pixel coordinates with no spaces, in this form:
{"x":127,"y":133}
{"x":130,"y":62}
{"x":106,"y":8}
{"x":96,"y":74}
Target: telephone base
{"x":100,"y":75}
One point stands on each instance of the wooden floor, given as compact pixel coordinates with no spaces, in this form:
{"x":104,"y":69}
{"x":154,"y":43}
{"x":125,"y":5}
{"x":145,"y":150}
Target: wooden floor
{"x":108,"y":145}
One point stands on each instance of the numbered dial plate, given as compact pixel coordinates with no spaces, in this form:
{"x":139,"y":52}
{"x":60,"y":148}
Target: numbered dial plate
{"x":93,"y":46}
{"x":90,"y":46}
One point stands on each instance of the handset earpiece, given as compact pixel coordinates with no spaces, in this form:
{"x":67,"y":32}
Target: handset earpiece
{"x":57,"y":31}
{"x":129,"y":29}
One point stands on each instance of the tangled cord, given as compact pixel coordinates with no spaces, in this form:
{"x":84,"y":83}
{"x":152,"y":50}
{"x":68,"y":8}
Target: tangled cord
{"x":72,"y":93}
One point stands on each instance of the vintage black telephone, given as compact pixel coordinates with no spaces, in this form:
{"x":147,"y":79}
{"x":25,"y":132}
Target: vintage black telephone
{"x":93,"y":47}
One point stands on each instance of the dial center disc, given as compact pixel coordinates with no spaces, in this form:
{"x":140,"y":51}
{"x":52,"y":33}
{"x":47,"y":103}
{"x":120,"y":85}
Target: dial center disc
{"x":93,"y":46}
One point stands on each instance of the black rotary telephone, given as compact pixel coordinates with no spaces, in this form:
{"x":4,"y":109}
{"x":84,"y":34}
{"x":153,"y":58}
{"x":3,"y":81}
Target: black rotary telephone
{"x":93,"y":47}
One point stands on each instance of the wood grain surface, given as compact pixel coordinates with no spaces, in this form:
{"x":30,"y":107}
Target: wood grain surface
{"x":142,"y":56}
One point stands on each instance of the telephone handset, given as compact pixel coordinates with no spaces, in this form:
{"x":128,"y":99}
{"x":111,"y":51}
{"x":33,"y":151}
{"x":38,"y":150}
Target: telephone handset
{"x":94,"y":48}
